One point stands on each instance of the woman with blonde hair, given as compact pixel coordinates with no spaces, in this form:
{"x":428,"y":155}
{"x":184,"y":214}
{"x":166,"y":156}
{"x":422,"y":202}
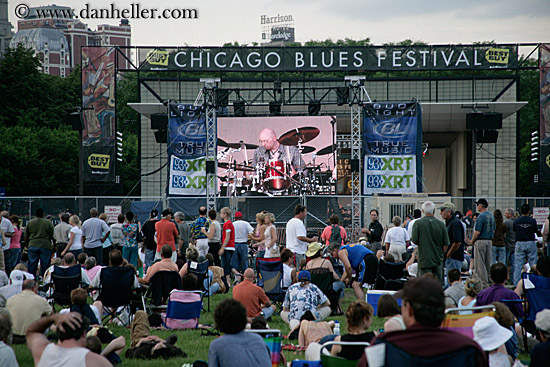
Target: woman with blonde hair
{"x":270,"y":237}
{"x":259,"y":235}
{"x":472,"y":286}
{"x":75,"y":237}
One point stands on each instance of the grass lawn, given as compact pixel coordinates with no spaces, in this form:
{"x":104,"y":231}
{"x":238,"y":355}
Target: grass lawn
{"x":196,"y":346}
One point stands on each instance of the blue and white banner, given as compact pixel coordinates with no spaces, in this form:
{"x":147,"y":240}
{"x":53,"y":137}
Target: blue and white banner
{"x":392,"y":147}
{"x":186,"y":150}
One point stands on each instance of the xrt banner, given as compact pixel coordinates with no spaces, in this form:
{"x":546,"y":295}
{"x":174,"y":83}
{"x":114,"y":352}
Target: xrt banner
{"x":392,"y":147}
{"x":98,"y":102}
{"x":186,"y":150}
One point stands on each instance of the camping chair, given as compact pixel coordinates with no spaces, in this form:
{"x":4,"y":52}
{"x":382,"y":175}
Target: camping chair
{"x":162,"y":283}
{"x":272,"y":338}
{"x":64,"y":280}
{"x":390,"y":276}
{"x":464,"y":324}
{"x":116,"y":292}
{"x":323,"y":278}
{"x":328,"y":360}
{"x":201,"y":271}
{"x":270,"y":278}
{"x":536,"y":291}
{"x":183,"y":310}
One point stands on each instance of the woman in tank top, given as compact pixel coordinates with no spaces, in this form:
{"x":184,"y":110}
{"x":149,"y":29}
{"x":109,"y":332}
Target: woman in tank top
{"x":270,"y":234}
{"x":259,"y":234}
{"x":472,"y":286}
{"x":214,"y":235}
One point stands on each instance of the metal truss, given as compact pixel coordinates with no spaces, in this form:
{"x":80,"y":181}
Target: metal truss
{"x":209,"y":102}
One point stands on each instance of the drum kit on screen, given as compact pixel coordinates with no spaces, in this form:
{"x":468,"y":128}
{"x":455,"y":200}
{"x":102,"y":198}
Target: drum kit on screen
{"x":275,"y":176}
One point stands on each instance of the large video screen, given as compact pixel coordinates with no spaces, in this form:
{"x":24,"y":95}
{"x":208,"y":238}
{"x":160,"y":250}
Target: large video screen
{"x":269,"y":156}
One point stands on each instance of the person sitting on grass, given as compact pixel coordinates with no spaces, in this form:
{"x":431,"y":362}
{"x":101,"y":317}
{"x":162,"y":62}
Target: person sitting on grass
{"x":359,"y":317}
{"x":236,"y":347}
{"x":389,"y":309}
{"x":112,"y":351}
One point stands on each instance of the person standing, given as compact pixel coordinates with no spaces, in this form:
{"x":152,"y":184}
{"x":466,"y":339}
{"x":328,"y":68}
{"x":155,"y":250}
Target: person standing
{"x":130,"y":231}
{"x":167,"y":233}
{"x":214,"y":235}
{"x":510,"y":240}
{"x":15,"y":245}
{"x":39,"y":239}
{"x":417,"y":214}
{"x":484,"y":232}
{"x":526,"y":245}
{"x":75,"y":237}
{"x":94,"y":232}
{"x":116,"y":232}
{"x":455,"y":253}
{"x":108,"y":243}
{"x":227,"y":250}
{"x":498,"y":249}
{"x":242,"y":230}
{"x":296,"y":234}
{"x":374,"y":232}
{"x":61,"y":234}
{"x":6,"y":227}
{"x":334,"y":231}
{"x":148,"y":230}
{"x":432,"y":240}
{"x":396,"y":239}
{"x":200,"y":237}
{"x":184,"y":234}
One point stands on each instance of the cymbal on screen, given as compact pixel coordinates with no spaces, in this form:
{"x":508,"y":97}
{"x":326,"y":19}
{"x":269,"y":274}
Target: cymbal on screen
{"x":236,"y":167}
{"x":239,"y":145}
{"x":304,"y":134}
{"x":327,"y":150}
{"x":307,"y":149}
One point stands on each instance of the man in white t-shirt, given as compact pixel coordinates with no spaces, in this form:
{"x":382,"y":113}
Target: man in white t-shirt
{"x":417,"y":214}
{"x":296,"y":234}
{"x":242,"y":229}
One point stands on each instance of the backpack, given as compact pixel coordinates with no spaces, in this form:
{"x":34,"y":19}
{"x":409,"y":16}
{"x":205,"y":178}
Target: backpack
{"x":335,"y":236}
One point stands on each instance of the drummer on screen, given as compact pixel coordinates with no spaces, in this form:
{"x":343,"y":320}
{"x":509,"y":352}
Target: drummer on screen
{"x":271,"y":149}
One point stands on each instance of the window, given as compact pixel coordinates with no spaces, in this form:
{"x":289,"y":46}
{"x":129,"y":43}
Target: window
{"x":401,"y":210}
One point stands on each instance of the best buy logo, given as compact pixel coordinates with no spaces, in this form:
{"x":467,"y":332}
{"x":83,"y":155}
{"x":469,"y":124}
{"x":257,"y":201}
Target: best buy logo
{"x":497,"y":55}
{"x":157,"y":57}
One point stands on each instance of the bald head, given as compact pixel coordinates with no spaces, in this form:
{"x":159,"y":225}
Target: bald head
{"x":249,"y":274}
{"x":268,"y":139}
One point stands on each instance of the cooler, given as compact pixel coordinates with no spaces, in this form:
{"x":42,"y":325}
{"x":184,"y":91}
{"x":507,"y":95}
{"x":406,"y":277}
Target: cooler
{"x":372,"y":298}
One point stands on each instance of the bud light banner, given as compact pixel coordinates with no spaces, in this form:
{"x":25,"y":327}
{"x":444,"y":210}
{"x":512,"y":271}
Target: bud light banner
{"x":186,"y":150}
{"x":392,"y":147}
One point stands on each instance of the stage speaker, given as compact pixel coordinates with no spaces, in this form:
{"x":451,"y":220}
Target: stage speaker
{"x":159,"y":121}
{"x":76,"y":120}
{"x":484,"y":121}
{"x":486,"y":136}
{"x":161,"y":136}
{"x":210,"y":167}
{"x":239,"y":108}
{"x":342,"y":95}
{"x":474,"y":121}
{"x":222,"y":97}
{"x":314,"y":107}
{"x":275,"y":108}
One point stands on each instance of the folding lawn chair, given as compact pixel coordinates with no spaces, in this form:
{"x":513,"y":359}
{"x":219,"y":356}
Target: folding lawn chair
{"x":183,"y":310}
{"x":328,"y":360}
{"x":201,"y":271}
{"x":272,"y":338}
{"x":390,"y":276}
{"x":323,"y":278}
{"x":464,"y":324}
{"x":116,"y":292}
{"x":160,"y":286}
{"x":64,"y":280}
{"x":270,"y":278}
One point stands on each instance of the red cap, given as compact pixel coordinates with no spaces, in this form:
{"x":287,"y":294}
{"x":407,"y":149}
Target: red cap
{"x":238,"y":215}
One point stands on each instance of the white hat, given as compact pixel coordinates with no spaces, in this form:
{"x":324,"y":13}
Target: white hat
{"x":542,"y":321}
{"x":17,"y":277}
{"x":489,"y":334}
{"x":413,"y":269}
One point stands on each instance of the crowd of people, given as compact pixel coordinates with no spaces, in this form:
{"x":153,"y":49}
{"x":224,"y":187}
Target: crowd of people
{"x":436,"y":254}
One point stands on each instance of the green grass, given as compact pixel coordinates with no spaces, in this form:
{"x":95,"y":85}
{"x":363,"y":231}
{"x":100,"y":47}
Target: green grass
{"x":196,"y":346}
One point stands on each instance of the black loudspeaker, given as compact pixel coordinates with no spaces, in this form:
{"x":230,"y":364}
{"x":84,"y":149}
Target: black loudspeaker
{"x":484,"y":121}
{"x":275,"y":108}
{"x":342,"y":95}
{"x":159,"y":121}
{"x":486,"y":136}
{"x":161,"y":136}
{"x":313,"y":108}
{"x":239,"y":108}
{"x":354,"y":165}
{"x":76,"y":120}
{"x":210,"y":167}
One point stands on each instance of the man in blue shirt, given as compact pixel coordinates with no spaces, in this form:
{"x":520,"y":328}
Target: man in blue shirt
{"x":526,"y":246}
{"x":484,"y":232}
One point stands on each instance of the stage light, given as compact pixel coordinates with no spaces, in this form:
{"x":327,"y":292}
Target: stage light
{"x":239,"y":108}
{"x":275,"y":108}
{"x":342,"y":95}
{"x":314,"y":107}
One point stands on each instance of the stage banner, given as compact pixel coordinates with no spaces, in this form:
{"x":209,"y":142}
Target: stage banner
{"x":544,"y":70}
{"x":392,"y":148}
{"x":334,"y":58}
{"x":186,"y":150}
{"x":99,"y":123}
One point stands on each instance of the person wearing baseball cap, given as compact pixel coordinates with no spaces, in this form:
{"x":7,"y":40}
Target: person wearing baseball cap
{"x":455,"y":252}
{"x":482,"y":240}
{"x":423,"y":310}
{"x":540,"y":354}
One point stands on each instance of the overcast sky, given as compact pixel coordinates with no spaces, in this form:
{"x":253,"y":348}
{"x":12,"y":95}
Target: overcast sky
{"x":431,"y":21}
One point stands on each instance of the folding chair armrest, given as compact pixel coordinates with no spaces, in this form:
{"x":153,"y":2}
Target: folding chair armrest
{"x":331,"y":343}
{"x":522,"y":302}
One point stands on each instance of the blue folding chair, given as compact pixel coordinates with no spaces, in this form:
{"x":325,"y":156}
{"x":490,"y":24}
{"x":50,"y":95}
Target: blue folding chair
{"x":184,"y":310}
{"x":201,"y":271}
{"x":270,"y":278}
